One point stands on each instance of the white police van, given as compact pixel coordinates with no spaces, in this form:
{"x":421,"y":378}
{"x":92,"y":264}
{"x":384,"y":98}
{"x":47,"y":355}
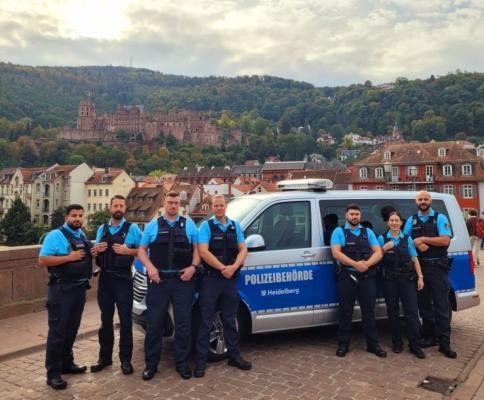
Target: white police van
{"x":288,"y":280}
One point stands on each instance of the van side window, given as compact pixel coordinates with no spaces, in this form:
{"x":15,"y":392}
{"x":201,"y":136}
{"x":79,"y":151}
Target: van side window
{"x":371,"y":212}
{"x":284,"y":226}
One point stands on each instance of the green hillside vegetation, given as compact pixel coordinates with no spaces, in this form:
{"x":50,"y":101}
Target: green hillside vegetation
{"x":283,"y":117}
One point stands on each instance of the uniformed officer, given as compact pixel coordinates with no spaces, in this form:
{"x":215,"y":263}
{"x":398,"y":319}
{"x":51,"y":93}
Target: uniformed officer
{"x":117,"y":244}
{"x":171,"y":265}
{"x":67,"y":254}
{"x":402,"y":277}
{"x":431,"y":235}
{"x":223,"y":251}
{"x":356,"y":251}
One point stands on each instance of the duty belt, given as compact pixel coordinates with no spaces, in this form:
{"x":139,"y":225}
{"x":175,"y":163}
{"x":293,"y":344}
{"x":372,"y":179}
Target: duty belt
{"x":169,"y":274}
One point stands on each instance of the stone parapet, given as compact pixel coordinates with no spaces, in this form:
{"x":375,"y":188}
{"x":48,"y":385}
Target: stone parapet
{"x":23,"y":284}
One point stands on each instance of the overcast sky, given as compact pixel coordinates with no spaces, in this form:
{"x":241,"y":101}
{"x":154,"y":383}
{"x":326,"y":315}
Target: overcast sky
{"x":324,"y":42}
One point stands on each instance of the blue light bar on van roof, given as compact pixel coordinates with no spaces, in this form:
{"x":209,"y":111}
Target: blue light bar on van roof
{"x":305,"y":184}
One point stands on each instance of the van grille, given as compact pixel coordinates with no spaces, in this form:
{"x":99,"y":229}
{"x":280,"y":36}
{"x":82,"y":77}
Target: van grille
{"x":139,"y":287}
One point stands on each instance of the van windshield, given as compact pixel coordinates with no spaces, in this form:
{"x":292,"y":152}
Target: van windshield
{"x":238,"y":208}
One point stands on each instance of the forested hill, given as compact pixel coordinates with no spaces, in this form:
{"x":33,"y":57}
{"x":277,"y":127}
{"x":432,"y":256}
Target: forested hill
{"x":434,"y":108}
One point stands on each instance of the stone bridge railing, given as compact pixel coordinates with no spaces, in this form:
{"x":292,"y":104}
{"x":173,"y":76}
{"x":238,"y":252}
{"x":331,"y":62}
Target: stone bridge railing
{"x":23,"y":284}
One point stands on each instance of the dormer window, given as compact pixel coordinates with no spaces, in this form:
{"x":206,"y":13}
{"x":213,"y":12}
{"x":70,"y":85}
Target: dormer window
{"x":379,"y":172}
{"x":387,"y":155}
{"x":467,"y":169}
{"x":442,"y":151}
{"x":183,"y":195}
{"x":364,"y":173}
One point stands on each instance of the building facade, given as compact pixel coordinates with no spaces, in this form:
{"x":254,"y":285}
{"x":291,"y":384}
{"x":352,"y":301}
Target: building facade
{"x":451,"y":167}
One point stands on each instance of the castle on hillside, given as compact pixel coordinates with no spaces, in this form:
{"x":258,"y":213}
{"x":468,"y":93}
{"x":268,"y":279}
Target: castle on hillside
{"x":187,"y":126}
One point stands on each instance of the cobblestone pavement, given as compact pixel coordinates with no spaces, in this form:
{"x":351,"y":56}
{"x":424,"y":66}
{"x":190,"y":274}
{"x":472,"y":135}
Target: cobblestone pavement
{"x":291,"y":365}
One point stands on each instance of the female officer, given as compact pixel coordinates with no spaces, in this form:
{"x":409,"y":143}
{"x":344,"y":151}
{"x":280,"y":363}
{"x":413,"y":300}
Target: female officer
{"x":400,"y":267}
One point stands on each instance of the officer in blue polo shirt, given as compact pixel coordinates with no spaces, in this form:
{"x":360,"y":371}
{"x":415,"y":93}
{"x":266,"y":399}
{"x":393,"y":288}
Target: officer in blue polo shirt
{"x":356,"y":251}
{"x":223,"y":251}
{"x":171,"y":265}
{"x":67,"y":254}
{"x":431,"y":235}
{"x":117,"y":244}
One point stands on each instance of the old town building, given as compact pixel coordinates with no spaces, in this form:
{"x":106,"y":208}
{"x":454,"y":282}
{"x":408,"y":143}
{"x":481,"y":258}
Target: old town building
{"x":451,"y":167}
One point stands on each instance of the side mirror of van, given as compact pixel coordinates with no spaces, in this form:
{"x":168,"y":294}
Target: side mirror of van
{"x":255,"y":243}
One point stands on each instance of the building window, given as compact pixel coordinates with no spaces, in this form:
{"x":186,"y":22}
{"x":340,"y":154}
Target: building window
{"x":89,"y":193}
{"x":106,"y":192}
{"x":363,"y":187}
{"x":447,"y":170}
{"x":37,"y":203}
{"x":100,"y":206}
{"x":467,"y":169}
{"x":183,"y":195}
{"x":106,"y":206}
{"x":379,"y":172}
{"x":448,"y":189}
{"x":94,"y":206}
{"x":430,"y":188}
{"x":467,"y":191}
{"x":387,"y":155}
{"x":412,"y":170}
{"x":394,"y":187}
{"x":411,"y":188}
{"x":65,"y":195}
{"x":442,"y":151}
{"x":95,"y":193}
{"x":364,"y":173}
{"x":378,"y":187}
{"x":88,"y":206}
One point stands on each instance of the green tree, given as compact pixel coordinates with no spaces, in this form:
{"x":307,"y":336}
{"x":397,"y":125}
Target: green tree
{"x":17,"y":227}
{"x":57,"y":218}
{"x":96,"y":219}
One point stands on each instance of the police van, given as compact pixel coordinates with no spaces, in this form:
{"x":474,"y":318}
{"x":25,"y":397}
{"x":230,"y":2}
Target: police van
{"x":288,"y":278}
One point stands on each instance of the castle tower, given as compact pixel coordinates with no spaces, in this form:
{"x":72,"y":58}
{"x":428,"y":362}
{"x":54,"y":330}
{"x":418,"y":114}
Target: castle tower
{"x":86,"y":115}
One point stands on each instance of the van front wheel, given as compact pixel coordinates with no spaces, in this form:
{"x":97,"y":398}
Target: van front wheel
{"x":217,"y":350}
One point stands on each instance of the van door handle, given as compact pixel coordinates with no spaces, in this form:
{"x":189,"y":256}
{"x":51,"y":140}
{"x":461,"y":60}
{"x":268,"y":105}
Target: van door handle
{"x":308,"y":254}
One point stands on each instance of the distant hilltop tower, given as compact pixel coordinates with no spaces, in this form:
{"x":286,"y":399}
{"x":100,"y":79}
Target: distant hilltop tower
{"x":86,"y":115}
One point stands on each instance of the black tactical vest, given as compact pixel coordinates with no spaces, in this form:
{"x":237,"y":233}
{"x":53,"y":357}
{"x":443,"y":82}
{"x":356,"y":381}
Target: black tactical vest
{"x":77,"y":270}
{"x":223,"y":245}
{"x":429,"y":229}
{"x":171,"y":249}
{"x":398,"y":258}
{"x":357,"y":247}
{"x":108,"y":260}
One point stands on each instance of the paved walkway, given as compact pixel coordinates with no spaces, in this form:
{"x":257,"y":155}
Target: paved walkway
{"x":26,"y":334}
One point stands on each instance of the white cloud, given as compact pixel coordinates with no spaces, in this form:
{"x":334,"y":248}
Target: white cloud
{"x":323,"y":42}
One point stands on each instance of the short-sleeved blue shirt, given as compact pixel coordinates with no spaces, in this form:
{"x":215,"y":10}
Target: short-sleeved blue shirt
{"x":151,"y":231}
{"x":443,"y":226}
{"x":56,"y":244}
{"x":204,"y":234}
{"x":338,"y":235}
{"x":412,"y":251}
{"x":133,"y":237}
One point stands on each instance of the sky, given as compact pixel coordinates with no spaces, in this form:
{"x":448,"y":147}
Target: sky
{"x":323,"y":42}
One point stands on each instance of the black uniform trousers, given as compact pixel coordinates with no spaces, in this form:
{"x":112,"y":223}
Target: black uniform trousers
{"x":65,"y":304}
{"x":115,"y":291}
{"x":158,"y":298}
{"x":363,"y":290}
{"x":433,"y":303}
{"x":217,"y":292}
{"x":404,"y":290}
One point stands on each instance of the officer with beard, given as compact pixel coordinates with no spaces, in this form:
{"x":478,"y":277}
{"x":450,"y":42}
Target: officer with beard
{"x":67,"y":254}
{"x":117,"y":244}
{"x":431,"y":235}
{"x":356,"y":251}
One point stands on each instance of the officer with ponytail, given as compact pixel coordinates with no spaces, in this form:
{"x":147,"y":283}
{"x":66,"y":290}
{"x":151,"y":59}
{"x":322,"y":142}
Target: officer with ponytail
{"x":402,"y":277}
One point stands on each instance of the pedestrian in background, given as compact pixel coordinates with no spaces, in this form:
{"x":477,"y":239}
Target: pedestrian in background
{"x":471,"y":224}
